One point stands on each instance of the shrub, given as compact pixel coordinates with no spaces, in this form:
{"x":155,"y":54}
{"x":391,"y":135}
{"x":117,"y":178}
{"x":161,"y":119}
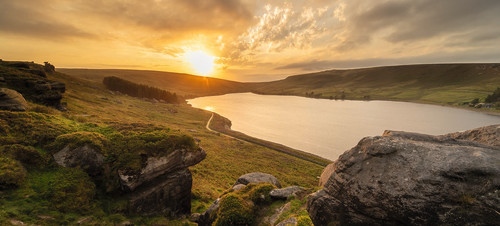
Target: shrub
{"x":27,"y":155}
{"x":259,"y":193}
{"x":66,"y":189}
{"x":233,"y":210}
{"x":12,"y":173}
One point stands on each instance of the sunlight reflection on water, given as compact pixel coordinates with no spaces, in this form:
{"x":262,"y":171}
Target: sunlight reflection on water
{"x":328,"y":128}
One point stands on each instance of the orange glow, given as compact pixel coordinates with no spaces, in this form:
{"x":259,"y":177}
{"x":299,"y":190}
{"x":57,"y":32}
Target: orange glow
{"x":201,"y":62}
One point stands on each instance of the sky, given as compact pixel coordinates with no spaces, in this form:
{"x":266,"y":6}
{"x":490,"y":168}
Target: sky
{"x":249,"y":40}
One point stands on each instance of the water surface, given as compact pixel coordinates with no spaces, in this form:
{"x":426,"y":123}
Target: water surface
{"x":327,"y":127}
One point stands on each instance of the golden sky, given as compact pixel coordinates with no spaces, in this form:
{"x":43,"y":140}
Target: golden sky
{"x":249,"y":40}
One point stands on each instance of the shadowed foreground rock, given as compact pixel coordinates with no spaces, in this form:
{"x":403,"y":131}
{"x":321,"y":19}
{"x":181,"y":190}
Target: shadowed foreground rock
{"x":413,"y":179}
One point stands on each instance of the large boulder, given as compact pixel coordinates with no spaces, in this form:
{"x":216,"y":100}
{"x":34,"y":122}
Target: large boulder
{"x":163,"y":185}
{"x":11,"y":100}
{"x":413,"y":179}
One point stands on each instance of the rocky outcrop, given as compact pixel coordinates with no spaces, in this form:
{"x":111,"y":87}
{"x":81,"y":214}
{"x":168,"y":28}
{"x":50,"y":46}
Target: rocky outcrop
{"x":31,"y":81}
{"x":11,"y":100}
{"x":156,"y":166}
{"x":413,"y":179}
{"x":84,"y":157}
{"x":159,"y":185}
{"x":258,"y":178}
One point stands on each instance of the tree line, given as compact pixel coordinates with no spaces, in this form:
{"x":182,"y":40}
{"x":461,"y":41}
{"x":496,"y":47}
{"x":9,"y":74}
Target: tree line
{"x":139,"y":90}
{"x":494,"y":97}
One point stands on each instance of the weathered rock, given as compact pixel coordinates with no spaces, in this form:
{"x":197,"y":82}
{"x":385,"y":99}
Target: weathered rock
{"x":289,"y":221}
{"x":416,"y":179}
{"x":206,"y":217}
{"x":84,"y":157}
{"x":156,"y":166}
{"x":11,"y":100}
{"x":42,"y":87}
{"x":489,"y":135}
{"x":58,"y":86}
{"x":238,"y":187}
{"x":169,"y":194}
{"x":258,"y":178}
{"x":284,"y":193}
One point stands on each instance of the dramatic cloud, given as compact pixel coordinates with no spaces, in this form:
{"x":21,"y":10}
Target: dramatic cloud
{"x":251,"y":39}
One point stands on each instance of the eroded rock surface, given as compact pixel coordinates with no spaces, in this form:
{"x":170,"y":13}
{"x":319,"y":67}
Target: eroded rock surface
{"x":156,"y":166}
{"x":84,"y":157}
{"x":408,"y":178}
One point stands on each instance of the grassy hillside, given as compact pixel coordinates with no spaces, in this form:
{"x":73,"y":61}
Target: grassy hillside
{"x":92,"y":108}
{"x":435,"y":83}
{"x":182,"y":84}
{"x":449,"y":84}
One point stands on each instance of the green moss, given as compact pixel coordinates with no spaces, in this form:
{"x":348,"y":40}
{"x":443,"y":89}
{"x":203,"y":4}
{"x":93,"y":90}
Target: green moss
{"x":66,"y":189}
{"x":234,"y":210}
{"x":12,"y":173}
{"x":259,"y":193}
{"x":29,"y":128}
{"x":304,"y":221}
{"x":27,"y":155}
{"x":130,"y":148}
{"x":78,"y":139}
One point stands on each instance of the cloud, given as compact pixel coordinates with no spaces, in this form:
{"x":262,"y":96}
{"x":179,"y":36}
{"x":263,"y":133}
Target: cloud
{"x":279,"y":28}
{"x":414,"y":21}
{"x":484,"y":55}
{"x":21,"y":18}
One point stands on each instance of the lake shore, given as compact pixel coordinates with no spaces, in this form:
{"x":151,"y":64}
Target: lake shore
{"x":220,"y":124}
{"x":493,"y":112}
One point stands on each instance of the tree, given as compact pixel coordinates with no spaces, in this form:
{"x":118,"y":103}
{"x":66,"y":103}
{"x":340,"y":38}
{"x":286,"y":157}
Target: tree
{"x":494,"y":97}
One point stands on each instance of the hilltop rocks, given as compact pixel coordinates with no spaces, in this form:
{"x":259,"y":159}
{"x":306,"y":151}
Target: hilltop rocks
{"x":258,"y":178}
{"x":415,"y":179}
{"x":11,"y":100}
{"x":31,"y":81}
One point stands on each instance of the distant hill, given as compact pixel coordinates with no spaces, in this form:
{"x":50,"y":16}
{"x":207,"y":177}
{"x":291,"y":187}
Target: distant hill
{"x":183,"y":84}
{"x":432,"y":83}
{"x":449,"y":84}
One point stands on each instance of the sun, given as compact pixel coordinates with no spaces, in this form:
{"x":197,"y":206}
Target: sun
{"x":201,"y":62}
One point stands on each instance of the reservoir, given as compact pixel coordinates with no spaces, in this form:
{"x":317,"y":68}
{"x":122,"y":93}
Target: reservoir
{"x":327,"y":127}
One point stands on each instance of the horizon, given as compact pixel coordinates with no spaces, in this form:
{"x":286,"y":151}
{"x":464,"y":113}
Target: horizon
{"x":265,"y":41}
